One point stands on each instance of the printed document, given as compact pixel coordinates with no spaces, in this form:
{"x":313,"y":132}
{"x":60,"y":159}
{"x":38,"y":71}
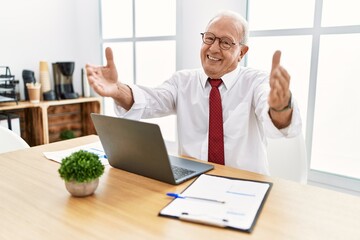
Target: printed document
{"x":220,"y":201}
{"x":95,"y":147}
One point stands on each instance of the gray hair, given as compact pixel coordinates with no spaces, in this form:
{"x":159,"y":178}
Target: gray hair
{"x":239,"y":19}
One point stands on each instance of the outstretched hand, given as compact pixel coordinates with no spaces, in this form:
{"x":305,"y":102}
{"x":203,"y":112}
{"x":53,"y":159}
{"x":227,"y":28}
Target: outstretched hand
{"x":279,"y":83}
{"x":103,"y":79}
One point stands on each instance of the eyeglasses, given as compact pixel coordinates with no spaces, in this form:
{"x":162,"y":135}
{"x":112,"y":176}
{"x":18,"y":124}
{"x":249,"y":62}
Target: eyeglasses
{"x":224,"y":42}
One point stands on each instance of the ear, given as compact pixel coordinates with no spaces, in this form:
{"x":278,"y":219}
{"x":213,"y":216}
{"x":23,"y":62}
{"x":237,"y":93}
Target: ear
{"x":243,"y":51}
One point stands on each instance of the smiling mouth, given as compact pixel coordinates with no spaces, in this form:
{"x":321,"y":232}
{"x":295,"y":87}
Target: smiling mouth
{"x":213,"y":58}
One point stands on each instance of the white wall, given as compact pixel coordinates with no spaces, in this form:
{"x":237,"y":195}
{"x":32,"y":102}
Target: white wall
{"x":41,"y":30}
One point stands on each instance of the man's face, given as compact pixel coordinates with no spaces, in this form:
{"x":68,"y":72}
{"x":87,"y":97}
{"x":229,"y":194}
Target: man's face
{"x":215,"y":61}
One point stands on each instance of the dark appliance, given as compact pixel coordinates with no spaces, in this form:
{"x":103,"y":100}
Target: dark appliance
{"x":28,"y":77}
{"x":63,"y":80}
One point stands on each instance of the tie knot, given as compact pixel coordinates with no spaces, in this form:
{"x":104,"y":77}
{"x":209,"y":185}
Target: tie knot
{"x":215,"y":82}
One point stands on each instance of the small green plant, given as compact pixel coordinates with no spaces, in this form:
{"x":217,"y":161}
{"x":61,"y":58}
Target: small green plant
{"x":81,"y":166}
{"x":67,"y":134}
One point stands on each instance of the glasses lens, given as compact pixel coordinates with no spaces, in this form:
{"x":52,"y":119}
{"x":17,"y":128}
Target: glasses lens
{"x":208,"y":38}
{"x":225,"y":43}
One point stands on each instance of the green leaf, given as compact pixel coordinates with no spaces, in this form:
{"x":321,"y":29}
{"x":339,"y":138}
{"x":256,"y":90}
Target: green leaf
{"x":81,"y":166}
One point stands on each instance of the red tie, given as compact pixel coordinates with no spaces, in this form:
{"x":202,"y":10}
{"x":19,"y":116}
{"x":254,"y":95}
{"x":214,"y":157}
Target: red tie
{"x":216,"y":132}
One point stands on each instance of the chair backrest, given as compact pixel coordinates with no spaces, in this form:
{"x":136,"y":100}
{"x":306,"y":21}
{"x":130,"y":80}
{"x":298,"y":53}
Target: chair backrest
{"x":10,"y":141}
{"x":287,"y":158}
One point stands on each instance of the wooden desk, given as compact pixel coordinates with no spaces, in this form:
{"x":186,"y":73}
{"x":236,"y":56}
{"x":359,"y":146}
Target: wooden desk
{"x":34,"y":204}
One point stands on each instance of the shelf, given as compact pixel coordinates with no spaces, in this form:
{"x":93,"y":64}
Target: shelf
{"x":42,"y":122}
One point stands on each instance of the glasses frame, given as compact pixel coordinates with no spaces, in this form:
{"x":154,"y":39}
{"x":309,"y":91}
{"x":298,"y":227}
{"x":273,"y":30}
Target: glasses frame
{"x":221,"y":40}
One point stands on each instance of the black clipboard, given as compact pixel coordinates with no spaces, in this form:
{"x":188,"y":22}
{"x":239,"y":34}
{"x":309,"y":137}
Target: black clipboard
{"x":217,"y":209}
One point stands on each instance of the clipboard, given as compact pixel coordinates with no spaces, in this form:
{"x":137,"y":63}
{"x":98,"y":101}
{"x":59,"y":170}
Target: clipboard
{"x":219,"y":201}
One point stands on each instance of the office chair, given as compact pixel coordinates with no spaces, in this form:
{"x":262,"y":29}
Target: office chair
{"x":10,"y":141}
{"x":287,"y":158}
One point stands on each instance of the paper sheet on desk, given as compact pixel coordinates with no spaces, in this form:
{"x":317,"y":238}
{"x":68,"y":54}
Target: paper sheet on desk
{"x":95,"y":147}
{"x":243,"y":201}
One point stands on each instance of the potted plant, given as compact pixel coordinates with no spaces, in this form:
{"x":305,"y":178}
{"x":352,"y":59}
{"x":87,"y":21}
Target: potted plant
{"x":81,"y":171}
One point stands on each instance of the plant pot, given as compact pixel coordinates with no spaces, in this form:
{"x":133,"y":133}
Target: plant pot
{"x":83,"y":189}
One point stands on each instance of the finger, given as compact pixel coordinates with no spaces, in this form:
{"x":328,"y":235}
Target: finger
{"x":91,"y":72}
{"x":274,"y":75}
{"x":283,"y":79}
{"x":91,"y":80}
{"x":284,"y":73}
{"x":273,"y":97}
{"x":279,"y":91}
{"x":276,"y":60}
{"x":91,"y":65}
{"x":109,"y":57}
{"x":98,"y":87}
{"x":90,"y":69}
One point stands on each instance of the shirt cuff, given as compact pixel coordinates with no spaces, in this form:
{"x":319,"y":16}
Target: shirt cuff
{"x":137,"y":109}
{"x":292,"y":130}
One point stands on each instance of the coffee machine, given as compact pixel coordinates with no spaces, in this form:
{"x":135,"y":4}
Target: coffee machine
{"x":63,"y":80}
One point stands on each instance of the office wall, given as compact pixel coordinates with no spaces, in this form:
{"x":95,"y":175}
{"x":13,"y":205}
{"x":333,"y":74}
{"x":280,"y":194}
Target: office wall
{"x":40,"y":30}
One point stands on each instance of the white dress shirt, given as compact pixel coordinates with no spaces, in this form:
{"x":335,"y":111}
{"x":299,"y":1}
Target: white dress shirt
{"x":244,"y":93}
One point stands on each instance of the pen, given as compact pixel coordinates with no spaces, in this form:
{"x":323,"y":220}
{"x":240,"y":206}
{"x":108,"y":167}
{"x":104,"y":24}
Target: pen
{"x":176,"y":195}
{"x":99,"y":152}
{"x":208,"y":220}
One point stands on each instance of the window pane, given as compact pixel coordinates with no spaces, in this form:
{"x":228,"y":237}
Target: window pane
{"x":265,"y":14}
{"x":155,"y":18}
{"x":295,"y":57}
{"x":335,"y":146}
{"x":116,"y":18}
{"x":340,"y":13}
{"x":155,"y":62}
{"x":167,"y":126}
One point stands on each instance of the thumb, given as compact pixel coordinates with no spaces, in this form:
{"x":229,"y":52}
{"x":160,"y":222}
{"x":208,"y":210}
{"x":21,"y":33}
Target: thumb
{"x":276,"y":59}
{"x":109,"y":57}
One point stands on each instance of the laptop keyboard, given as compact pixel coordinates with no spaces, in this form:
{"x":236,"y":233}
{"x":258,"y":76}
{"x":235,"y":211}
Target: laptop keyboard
{"x":180,"y":172}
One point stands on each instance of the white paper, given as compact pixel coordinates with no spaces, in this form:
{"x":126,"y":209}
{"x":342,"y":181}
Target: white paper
{"x":242,"y":201}
{"x":95,"y":147}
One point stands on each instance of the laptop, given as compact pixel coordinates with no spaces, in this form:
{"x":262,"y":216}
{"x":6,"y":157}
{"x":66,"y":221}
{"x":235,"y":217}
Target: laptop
{"x":139,"y":147}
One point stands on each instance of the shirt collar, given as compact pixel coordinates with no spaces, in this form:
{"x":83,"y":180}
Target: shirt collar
{"x":228,"y":79}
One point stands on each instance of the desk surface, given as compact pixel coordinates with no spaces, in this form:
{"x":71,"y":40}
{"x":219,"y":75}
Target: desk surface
{"x":34,"y":204}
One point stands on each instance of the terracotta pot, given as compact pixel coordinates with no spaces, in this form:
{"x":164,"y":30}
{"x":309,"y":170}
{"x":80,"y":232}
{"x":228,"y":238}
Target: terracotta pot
{"x":83,"y":189}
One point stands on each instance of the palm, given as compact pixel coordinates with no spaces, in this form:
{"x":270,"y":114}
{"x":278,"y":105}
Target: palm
{"x":104,"y":78}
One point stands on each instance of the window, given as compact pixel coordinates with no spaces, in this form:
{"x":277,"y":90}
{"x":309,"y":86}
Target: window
{"x":320,"y":44}
{"x":335,"y":145}
{"x":143,"y":54}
